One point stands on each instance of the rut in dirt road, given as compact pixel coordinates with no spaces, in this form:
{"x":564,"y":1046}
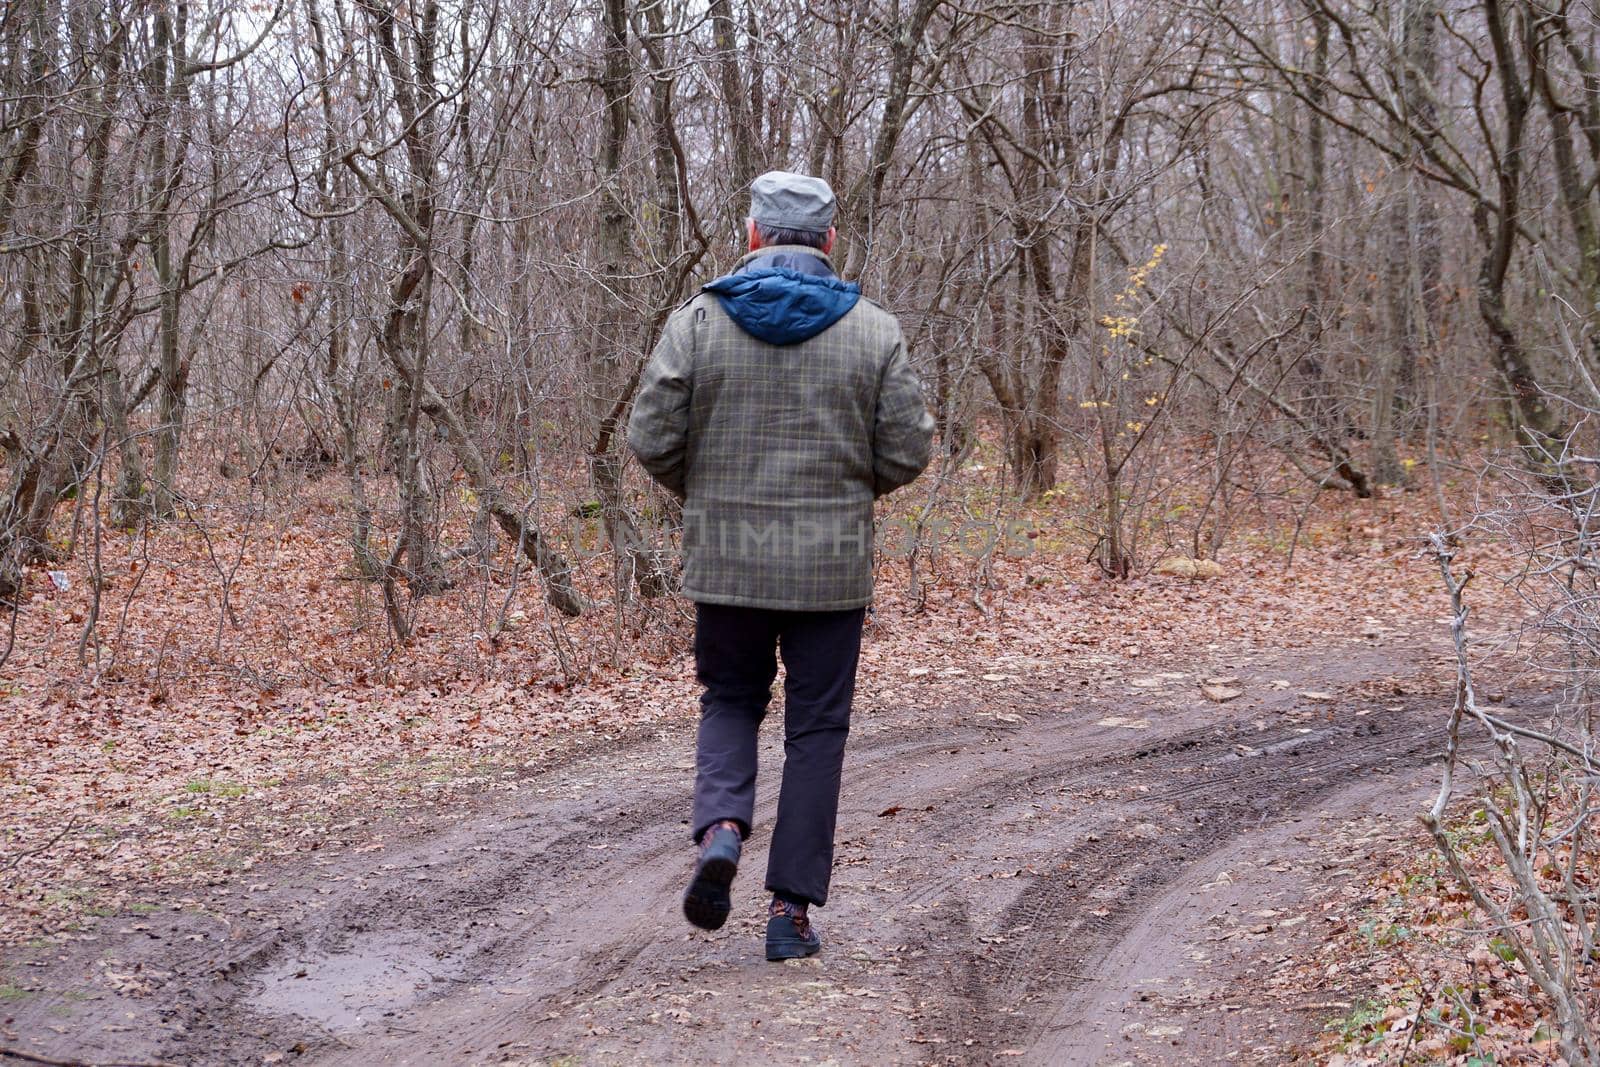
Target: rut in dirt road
{"x":984,"y":868}
{"x":1199,"y":790}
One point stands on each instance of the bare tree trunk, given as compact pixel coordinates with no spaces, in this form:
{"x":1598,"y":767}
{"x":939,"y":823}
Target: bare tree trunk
{"x":741,"y":118}
{"x":614,"y":298}
{"x":128,"y":505}
{"x":1537,"y":422}
{"x":905,"y":42}
{"x":167,"y":164}
{"x":1414,"y":259}
{"x":343,"y":381}
{"x":404,"y":339}
{"x":634,"y":562}
{"x":49,"y":467}
{"x":1319,"y":400}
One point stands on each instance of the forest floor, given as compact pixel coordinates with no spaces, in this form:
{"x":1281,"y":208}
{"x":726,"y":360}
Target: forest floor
{"x":1054,"y":846}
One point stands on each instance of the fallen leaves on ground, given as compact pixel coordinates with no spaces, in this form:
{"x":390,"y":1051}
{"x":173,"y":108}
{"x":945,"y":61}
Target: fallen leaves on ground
{"x":1420,"y":979}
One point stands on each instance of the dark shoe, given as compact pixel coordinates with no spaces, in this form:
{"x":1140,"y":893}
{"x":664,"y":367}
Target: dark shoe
{"x":790,"y":937}
{"x":706,"y":903}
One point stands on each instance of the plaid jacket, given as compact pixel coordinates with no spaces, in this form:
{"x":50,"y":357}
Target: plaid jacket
{"x":778,"y":451}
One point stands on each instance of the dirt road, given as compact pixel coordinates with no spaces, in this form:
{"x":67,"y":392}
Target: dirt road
{"x":1101,"y":870}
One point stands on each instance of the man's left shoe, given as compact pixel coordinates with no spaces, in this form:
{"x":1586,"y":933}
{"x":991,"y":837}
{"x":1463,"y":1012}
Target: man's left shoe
{"x":707,"y":901}
{"x":790,"y":935}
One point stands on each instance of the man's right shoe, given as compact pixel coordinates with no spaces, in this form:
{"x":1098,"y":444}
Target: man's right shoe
{"x":707,"y":902}
{"x":791,"y":937}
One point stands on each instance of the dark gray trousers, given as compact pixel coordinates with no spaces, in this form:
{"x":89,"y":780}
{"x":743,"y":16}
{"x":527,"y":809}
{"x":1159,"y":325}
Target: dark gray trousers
{"x":734,"y":652}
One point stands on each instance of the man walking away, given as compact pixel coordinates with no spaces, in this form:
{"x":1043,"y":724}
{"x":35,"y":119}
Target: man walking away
{"x":778,"y":405}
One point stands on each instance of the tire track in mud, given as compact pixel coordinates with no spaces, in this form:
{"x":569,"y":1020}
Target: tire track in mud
{"x":482,"y":917}
{"x":1020,"y":998}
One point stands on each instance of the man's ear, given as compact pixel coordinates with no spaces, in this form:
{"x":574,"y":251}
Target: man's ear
{"x":752,"y":235}
{"x":827,"y":246}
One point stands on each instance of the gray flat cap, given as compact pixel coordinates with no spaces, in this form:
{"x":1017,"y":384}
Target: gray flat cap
{"x":792,"y":201}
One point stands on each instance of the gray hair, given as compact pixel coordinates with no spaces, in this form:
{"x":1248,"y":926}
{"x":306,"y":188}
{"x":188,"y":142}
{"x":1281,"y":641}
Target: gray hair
{"x":780,"y":235}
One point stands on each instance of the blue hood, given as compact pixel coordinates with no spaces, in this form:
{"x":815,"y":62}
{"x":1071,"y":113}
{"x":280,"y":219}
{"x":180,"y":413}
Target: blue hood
{"x":781,"y":305}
